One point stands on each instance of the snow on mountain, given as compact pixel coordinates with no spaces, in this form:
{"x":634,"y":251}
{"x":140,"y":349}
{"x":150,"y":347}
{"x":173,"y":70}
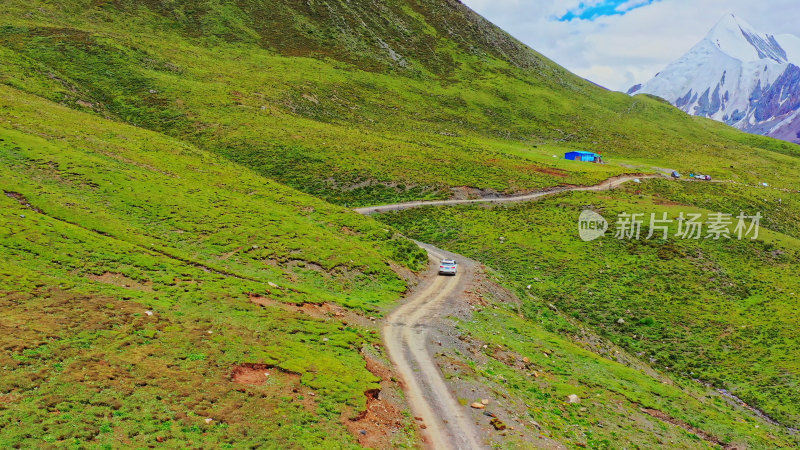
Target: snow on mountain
{"x":739,"y":40}
{"x":791,"y":44}
{"x":737,"y":75}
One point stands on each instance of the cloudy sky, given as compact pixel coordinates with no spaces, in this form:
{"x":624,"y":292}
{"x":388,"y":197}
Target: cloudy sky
{"x":618,"y":43}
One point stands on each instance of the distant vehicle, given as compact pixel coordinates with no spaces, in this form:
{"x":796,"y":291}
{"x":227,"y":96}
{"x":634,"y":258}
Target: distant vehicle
{"x":448,"y":267}
{"x":675,"y":174}
{"x":701,"y":177}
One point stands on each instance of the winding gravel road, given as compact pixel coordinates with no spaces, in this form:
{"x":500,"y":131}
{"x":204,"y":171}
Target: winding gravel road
{"x":449,"y":425}
{"x":610,"y":183}
{"x":446,"y":423}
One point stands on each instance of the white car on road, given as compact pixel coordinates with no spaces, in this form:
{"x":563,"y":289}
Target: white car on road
{"x":448,"y":267}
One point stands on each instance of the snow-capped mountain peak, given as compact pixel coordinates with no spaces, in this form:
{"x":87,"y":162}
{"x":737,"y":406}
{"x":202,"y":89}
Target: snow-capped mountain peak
{"x":738,"y":39}
{"x":737,"y":75}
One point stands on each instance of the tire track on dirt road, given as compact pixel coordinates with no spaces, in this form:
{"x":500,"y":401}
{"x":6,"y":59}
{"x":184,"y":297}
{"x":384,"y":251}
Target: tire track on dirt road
{"x":446,"y":423}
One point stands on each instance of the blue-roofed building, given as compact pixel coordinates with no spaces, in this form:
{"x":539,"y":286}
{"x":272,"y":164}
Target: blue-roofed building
{"x":583,"y":156}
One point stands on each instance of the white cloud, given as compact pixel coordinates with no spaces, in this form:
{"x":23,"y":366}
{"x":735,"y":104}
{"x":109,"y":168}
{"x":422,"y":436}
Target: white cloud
{"x":621,"y":50}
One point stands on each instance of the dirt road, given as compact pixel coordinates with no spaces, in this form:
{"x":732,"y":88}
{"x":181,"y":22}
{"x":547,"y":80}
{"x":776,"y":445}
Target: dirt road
{"x":610,"y":183}
{"x":446,"y":423}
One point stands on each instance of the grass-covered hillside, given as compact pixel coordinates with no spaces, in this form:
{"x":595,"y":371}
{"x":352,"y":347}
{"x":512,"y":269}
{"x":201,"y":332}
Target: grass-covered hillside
{"x":533,"y":361}
{"x":719,"y":311}
{"x":141,"y":274}
{"x":359,"y":102}
{"x":180,"y":269}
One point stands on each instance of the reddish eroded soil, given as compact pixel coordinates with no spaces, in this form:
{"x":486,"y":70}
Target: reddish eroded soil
{"x":252,"y":374}
{"x":374,"y":427}
{"x":8,"y":399}
{"x":280,"y":383}
{"x":263,"y":301}
{"x":117,"y":279}
{"x":379,"y":423}
{"x":383,"y":418}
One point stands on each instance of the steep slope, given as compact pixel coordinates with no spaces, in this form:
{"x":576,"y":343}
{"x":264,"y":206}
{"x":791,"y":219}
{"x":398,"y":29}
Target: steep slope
{"x":357,"y":103}
{"x":147,"y":286}
{"x":164,"y":284}
{"x":739,"y":76}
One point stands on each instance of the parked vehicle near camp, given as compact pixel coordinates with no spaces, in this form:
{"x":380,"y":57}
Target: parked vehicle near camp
{"x":448,"y":267}
{"x":675,"y":174}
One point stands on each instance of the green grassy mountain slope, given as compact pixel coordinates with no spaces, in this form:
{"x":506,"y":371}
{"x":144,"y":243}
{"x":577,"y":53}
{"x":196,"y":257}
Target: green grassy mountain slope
{"x":140,"y":272}
{"x":179,"y":267}
{"x":359,"y":103}
{"x":536,"y":359}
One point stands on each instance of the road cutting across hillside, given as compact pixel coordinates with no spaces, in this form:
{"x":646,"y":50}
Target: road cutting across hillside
{"x":447,"y":423}
{"x":610,"y":183}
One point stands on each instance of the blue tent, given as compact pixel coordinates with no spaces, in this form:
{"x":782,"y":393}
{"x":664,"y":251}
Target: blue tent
{"x":582,"y":156}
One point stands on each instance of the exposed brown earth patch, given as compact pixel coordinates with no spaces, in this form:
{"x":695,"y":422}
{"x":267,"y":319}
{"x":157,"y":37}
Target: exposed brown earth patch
{"x":378,"y":369}
{"x":252,"y":374}
{"x":280,"y":383}
{"x":263,"y":301}
{"x":117,"y":279}
{"x":348,"y":231}
{"x":260,"y":374}
{"x":383,"y":417}
{"x":8,"y":399}
{"x":30,"y":320}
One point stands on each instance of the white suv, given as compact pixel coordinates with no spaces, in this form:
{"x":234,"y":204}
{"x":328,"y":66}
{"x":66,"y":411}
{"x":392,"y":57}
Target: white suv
{"x":448,"y":267}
